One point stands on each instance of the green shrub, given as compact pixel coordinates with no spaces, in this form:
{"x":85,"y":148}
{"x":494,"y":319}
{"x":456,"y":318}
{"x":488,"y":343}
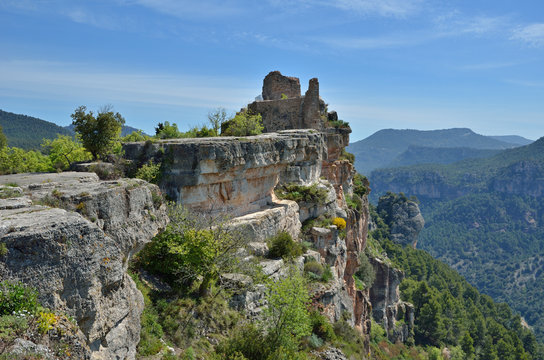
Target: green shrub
{"x":327,"y":275}
{"x":149,"y":172}
{"x":337,"y":124}
{"x":243,"y":124}
{"x":247,"y":340}
{"x":365,"y":272}
{"x":344,"y":155}
{"x":283,"y":246}
{"x":360,"y":185}
{"x":314,"y":267}
{"x":321,"y":326}
{"x":354,"y":202}
{"x":3,"y":250}
{"x":17,"y":297}
{"x":299,"y":193}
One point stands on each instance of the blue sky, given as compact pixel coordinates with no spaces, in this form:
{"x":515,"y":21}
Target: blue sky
{"x":416,"y":64}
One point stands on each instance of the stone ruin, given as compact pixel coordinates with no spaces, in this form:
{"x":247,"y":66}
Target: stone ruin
{"x":283,"y":107}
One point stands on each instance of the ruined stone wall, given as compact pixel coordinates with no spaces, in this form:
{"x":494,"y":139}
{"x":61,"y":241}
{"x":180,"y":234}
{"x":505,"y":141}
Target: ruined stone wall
{"x":279,"y":114}
{"x":275,"y":85}
{"x":295,"y":112}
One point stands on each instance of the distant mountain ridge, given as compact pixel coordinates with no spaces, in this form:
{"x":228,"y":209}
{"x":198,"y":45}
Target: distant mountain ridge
{"x":28,"y":132}
{"x":383,"y":147}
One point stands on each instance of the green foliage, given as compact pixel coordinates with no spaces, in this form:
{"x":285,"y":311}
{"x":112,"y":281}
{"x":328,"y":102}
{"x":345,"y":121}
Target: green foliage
{"x":283,"y":246}
{"x":135,"y":136}
{"x":321,"y":326}
{"x":314,"y":267}
{"x":365,"y":271}
{"x":283,"y":96}
{"x":287,"y":315}
{"x":149,"y":172}
{"x":448,"y":310}
{"x":338,"y":124}
{"x":63,"y":151}
{"x":360,"y":185}
{"x":98,"y":134}
{"x":3,"y":139}
{"x":299,"y":193}
{"x":151,"y":330}
{"x":243,"y":124}
{"x":498,"y":239}
{"x":14,"y":160}
{"x":16,"y":297}
{"x":193,"y":245}
{"x":3,"y":250}
{"x":168,"y":131}
{"x":344,"y":155}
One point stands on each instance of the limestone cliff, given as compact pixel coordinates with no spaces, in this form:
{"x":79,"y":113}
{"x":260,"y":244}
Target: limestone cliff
{"x":70,"y":236}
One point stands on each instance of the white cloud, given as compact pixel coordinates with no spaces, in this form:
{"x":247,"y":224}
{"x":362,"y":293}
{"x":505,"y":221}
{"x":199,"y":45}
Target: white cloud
{"x":82,"y":83}
{"x":455,"y":23}
{"x":369,"y":43}
{"x":190,"y":9}
{"x":386,"y":8}
{"x":532,"y":35}
{"x":394,"y":8}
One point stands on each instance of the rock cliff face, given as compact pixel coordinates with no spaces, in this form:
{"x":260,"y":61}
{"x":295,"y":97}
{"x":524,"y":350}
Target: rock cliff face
{"x":70,"y":236}
{"x":387,"y":308}
{"x":233,"y":174}
{"x":403,"y":218}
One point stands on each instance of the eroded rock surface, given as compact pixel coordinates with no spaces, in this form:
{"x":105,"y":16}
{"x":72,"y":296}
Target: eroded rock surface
{"x":72,"y":242}
{"x":230,"y":174}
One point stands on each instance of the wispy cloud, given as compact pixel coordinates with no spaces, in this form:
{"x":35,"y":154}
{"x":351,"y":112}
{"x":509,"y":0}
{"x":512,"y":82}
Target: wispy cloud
{"x":532,"y":35}
{"x":489,"y":66}
{"x":525,"y":83}
{"x":385,"y":8}
{"x":49,"y":80}
{"x":394,"y":8}
{"x":371,"y":43}
{"x":189,"y":9}
{"x":455,"y":23}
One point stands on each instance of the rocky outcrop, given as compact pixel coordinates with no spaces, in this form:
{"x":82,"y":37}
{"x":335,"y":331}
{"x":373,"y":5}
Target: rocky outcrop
{"x":236,"y":175}
{"x":71,"y":238}
{"x":403,"y":218}
{"x":396,"y":316}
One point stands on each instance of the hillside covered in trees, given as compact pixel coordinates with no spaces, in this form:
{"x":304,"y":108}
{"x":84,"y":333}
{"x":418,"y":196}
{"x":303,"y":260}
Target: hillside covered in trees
{"x":484,"y":217}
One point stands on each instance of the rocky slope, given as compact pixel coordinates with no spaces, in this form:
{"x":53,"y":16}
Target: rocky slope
{"x":71,"y":236}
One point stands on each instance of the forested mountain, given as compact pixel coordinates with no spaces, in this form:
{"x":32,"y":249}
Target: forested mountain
{"x":431,"y":155}
{"x":448,"y":310}
{"x":382,"y":147}
{"x":485,"y":218}
{"x":28,"y":132}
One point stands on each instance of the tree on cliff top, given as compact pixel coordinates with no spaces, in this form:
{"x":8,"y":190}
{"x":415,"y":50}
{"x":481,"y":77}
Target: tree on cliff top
{"x":244,"y":123}
{"x":98,"y":134}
